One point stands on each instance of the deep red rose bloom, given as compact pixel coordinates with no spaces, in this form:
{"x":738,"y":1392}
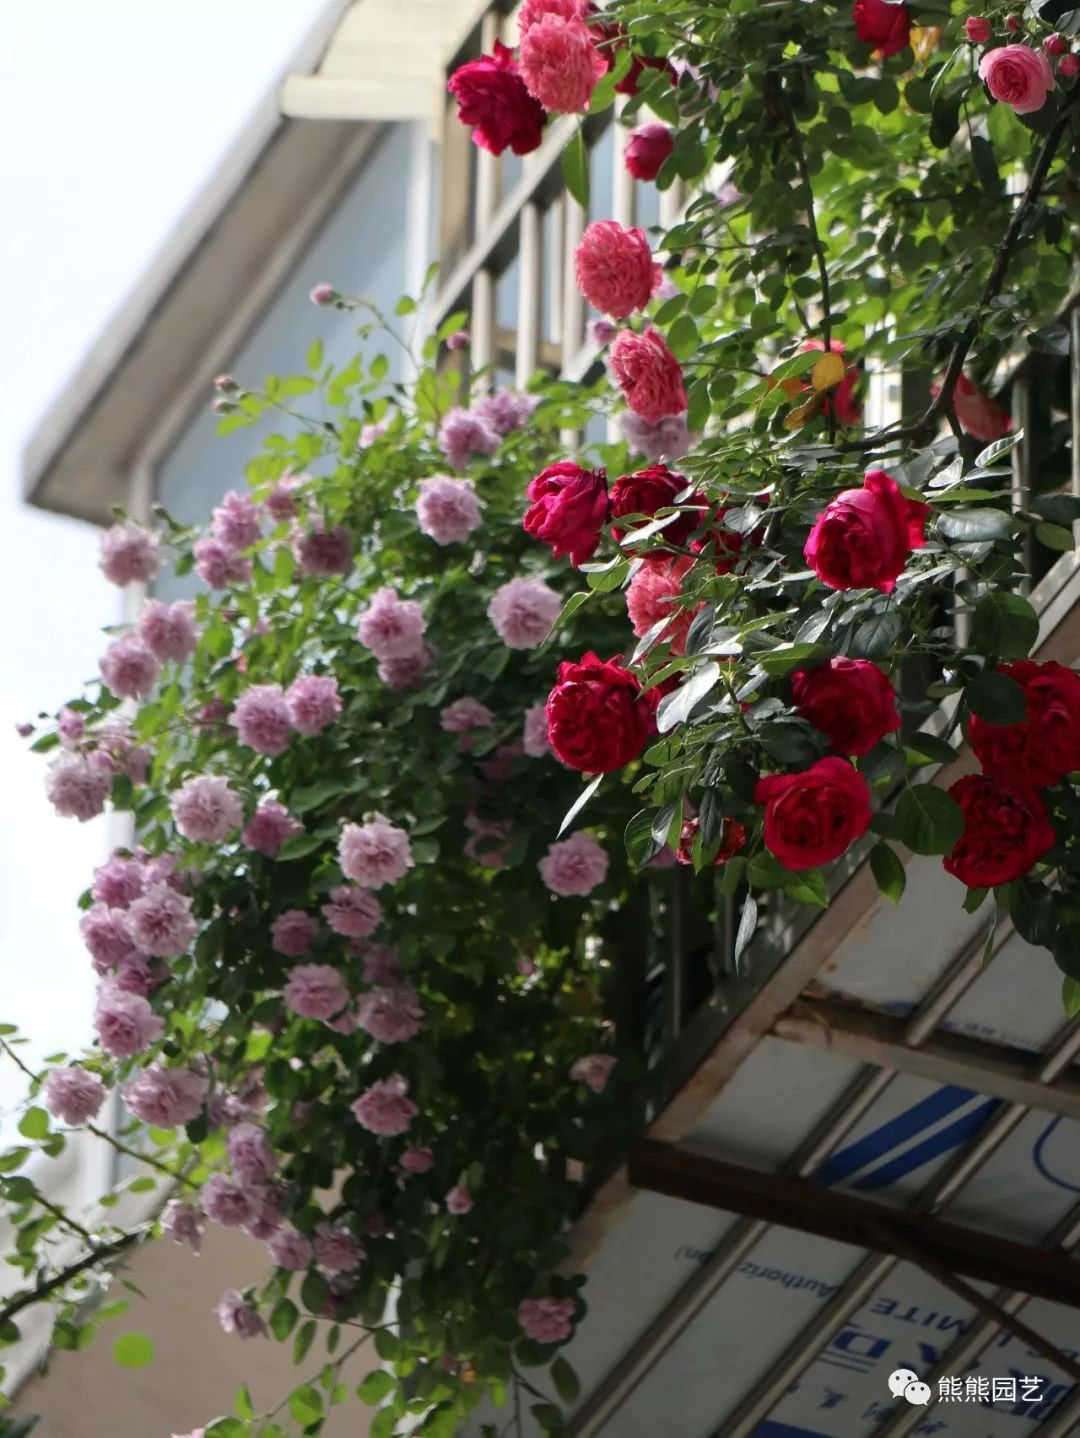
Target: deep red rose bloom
{"x":568,"y":510}
{"x":648,"y":374}
{"x":886,"y":27}
{"x":733,"y":839}
{"x":1006,"y":832}
{"x":863,"y":538}
{"x":647,"y":148}
{"x":850,"y":701}
{"x":842,"y":401}
{"x":1046,"y":745}
{"x":492,"y":98}
{"x":598,"y":717}
{"x":979,"y":415}
{"x":812,"y":817}
{"x":649,"y":490}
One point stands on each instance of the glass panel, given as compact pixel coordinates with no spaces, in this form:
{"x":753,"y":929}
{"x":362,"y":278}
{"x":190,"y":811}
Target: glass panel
{"x":506,"y":295}
{"x":601,"y":176}
{"x":648,"y":206}
{"x":352,"y":254}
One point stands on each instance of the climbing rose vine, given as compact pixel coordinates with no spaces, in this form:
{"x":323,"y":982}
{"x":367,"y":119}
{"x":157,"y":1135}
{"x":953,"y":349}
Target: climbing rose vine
{"x":415,"y":721}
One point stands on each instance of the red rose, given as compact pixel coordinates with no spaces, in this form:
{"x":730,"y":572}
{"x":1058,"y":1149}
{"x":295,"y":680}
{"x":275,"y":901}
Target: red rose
{"x":648,"y":374}
{"x":841,"y":401}
{"x":568,"y":510}
{"x":850,"y":701}
{"x":979,"y":415}
{"x":1045,"y":746}
{"x":886,"y":27}
{"x":492,"y":98}
{"x":649,"y":490}
{"x":598,"y":718}
{"x":733,"y":839}
{"x":647,"y":148}
{"x":863,"y":538}
{"x":1006,"y":832}
{"x":812,"y":817}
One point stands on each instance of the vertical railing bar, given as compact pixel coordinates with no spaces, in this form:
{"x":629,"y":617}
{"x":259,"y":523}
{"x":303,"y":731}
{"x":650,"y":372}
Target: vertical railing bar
{"x":1021,"y":463}
{"x":530,"y":294}
{"x":482,"y":320}
{"x":573,"y":305}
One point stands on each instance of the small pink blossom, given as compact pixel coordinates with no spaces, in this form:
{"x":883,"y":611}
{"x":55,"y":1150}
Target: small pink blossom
{"x":313,"y":702}
{"x":381,"y":965}
{"x":293,"y":933}
{"x":265,"y":1212}
{"x":391,"y":1015}
{"x":183,"y":1223}
{"x":547,"y":1320}
{"x":977,"y":29}
{"x":533,"y":11}
{"x":280,"y":503}
{"x":560,"y":64}
{"x":165,"y":1097}
{"x":1069,"y":66}
{"x":535,"y":732}
{"x":370,"y":433}
{"x":653,"y":596}
{"x":70,"y":726}
{"x":522,"y":612}
{"x":356,"y":913}
{"x":129,"y":554}
{"x":667,"y":439}
{"x":506,"y":410}
{"x":417,"y":1160}
{"x":106,"y":932}
{"x":459,"y":1200}
{"x":250,"y":1155}
{"x":465,"y":714}
{"x":602,"y":332}
{"x":375,"y":853}
{"x":74,"y":1095}
{"x":526,"y":968}
{"x":168,"y":630}
{"x":575,"y":867}
{"x":406,"y":673}
{"x":336,"y":1249}
{"x":161,"y":922}
{"x":323,"y":294}
{"x":129,"y":668}
{"x":135,"y":976}
{"x":463,"y":434}
{"x":447,"y":509}
{"x":593,"y":1070}
{"x":261,"y":719}
{"x":316,"y":991}
{"x":390,"y":627}
{"x":1017,"y":76}
{"x":236,"y":521}
{"x":210,"y":717}
{"x":384,"y":1109}
{"x":345,"y":1023}
{"x":269,"y":827}
{"x":226,"y":1202}
{"x":118,"y":753}
{"x":206,"y":810}
{"x":238,"y":1317}
{"x":323,"y":552}
{"x":76,"y":788}
{"x":1056,"y":44}
{"x":125,"y":1023}
{"x":219,"y":566}
{"x":289,"y":1248}
{"x":459,"y":340}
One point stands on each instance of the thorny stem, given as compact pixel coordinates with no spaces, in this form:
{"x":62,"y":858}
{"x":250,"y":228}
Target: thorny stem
{"x":336,"y":1365}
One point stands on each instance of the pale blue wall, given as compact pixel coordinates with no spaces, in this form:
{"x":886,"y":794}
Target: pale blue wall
{"x":362,"y":251}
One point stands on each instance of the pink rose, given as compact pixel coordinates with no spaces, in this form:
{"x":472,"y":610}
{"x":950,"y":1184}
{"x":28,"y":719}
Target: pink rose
{"x":647,"y":148}
{"x":648,"y":374}
{"x":977,"y":29}
{"x":615,"y":269}
{"x":560,"y":64}
{"x":1017,"y":76}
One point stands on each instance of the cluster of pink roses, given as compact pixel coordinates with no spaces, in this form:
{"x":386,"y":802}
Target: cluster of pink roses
{"x":1019,"y":75}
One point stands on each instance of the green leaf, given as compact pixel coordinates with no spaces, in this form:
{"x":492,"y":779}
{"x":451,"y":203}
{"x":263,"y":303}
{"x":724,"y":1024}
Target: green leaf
{"x":315,"y":356}
{"x":747,"y":926}
{"x":1070,"y":997}
{"x":888,"y":872}
{"x":548,"y":1417}
{"x":299,"y":847}
{"x":683,"y":338}
{"x":985,"y":163}
{"x":675,"y":708}
{"x":283,"y":1319}
{"x":243,"y":1405}
{"x":986,"y":457}
{"x":313,"y":1290}
{"x":807,"y":886}
{"x":931,"y":747}
{"x":375,"y":1387}
{"x":610,"y":577}
{"x":875,"y":637}
{"x":928,"y":820}
{"x":575,"y":168}
{"x":1054,"y":536}
{"x":302,"y":1342}
{"x":640,"y":839}
{"x":306,"y":1404}
{"x":1005,"y":625}
{"x":996,"y":698}
{"x":1058,"y":508}
{"x":971,"y":526}
{"x":1051,"y":340}
{"x":567,"y":1383}
{"x":133,"y":1350}
{"x":34,"y":1123}
{"x":579,"y":804}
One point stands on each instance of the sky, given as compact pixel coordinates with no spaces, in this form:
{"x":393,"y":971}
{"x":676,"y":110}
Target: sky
{"x":112,"y":115}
